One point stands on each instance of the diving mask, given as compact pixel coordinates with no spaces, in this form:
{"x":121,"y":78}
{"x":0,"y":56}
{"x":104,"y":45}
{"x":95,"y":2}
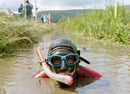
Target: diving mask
{"x":70,"y":59}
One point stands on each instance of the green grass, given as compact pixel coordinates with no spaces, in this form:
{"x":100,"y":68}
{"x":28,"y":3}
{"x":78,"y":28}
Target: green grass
{"x":102,"y":25}
{"x":15,"y":34}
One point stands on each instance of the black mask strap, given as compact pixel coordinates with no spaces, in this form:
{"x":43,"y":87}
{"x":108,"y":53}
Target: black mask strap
{"x":86,"y":61}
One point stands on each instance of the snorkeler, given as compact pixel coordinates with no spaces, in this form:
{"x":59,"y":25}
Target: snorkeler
{"x":64,"y":58}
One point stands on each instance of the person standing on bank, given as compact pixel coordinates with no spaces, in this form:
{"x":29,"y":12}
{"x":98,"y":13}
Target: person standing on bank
{"x":45,"y":18}
{"x":42,"y":19}
{"x":34,"y":15}
{"x":20,"y":10}
{"x":29,"y":8}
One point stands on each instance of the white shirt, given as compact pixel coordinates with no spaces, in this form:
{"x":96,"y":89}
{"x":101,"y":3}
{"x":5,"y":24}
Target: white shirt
{"x":34,"y":13}
{"x":45,"y":19}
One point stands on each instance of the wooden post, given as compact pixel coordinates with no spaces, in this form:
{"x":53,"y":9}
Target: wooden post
{"x":49,"y":19}
{"x":84,"y":11}
{"x":94,"y":7}
{"x":35,"y":12}
{"x":115,"y":8}
{"x":25,"y":10}
{"x":68,"y":19}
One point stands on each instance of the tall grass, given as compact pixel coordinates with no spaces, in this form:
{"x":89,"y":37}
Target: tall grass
{"x":15,"y":34}
{"x":102,"y":25}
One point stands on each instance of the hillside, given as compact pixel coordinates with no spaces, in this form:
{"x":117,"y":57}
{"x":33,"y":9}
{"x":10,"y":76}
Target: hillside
{"x":57,"y":15}
{"x":127,"y":7}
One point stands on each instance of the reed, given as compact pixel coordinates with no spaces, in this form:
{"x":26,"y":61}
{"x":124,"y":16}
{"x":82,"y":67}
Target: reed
{"x":15,"y":34}
{"x":102,"y":25}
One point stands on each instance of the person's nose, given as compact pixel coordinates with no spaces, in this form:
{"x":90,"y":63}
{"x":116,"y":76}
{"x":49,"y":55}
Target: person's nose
{"x":63,"y":66}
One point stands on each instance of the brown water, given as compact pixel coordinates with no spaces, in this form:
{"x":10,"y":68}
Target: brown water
{"x":113,"y":62}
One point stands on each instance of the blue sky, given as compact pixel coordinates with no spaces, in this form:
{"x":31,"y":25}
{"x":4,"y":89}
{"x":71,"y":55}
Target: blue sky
{"x":60,"y":4}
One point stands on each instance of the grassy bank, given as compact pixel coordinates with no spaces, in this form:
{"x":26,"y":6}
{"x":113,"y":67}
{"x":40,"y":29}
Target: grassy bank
{"x":15,"y":34}
{"x":102,"y":25}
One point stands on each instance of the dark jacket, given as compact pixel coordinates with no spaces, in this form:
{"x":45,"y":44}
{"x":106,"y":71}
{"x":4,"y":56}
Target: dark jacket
{"x":42,"y":19}
{"x":29,"y":8}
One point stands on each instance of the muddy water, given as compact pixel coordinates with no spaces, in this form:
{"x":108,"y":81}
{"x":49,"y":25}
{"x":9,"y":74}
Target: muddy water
{"x":111,"y":61}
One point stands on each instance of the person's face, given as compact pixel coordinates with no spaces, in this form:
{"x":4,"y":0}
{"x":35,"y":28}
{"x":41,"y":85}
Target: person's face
{"x":63,"y":68}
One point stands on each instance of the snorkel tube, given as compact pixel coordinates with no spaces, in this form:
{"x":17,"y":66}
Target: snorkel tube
{"x":61,"y":78}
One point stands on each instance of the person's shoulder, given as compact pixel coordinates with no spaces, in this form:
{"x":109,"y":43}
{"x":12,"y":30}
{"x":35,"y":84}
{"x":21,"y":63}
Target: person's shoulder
{"x":29,"y":5}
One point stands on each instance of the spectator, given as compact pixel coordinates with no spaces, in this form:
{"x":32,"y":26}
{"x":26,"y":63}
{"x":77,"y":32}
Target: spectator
{"x":4,"y":14}
{"x":20,"y":8}
{"x":21,"y":11}
{"x":29,"y":8}
{"x":42,"y":19}
{"x":45,"y":18}
{"x":34,"y":13}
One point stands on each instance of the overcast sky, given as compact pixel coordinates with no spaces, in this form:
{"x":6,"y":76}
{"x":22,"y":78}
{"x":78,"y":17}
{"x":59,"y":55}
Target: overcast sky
{"x":60,"y":4}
